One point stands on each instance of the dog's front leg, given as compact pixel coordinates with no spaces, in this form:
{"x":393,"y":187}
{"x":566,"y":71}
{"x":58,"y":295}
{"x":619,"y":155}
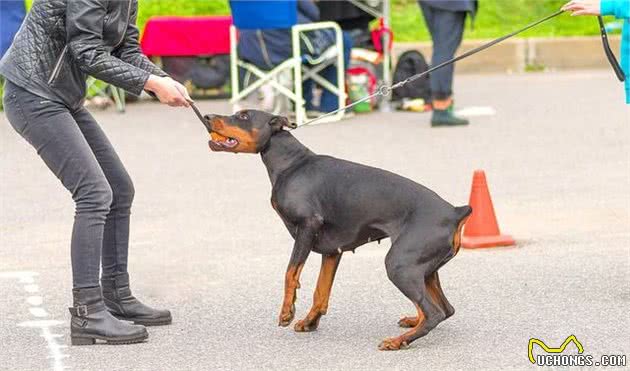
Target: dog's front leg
{"x":321,"y":295}
{"x":304,"y":240}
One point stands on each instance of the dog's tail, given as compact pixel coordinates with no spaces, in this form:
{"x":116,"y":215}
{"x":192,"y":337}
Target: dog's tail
{"x":461,"y":213}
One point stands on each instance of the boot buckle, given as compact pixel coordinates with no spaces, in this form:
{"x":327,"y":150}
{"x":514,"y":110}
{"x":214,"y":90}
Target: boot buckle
{"x":79,"y":311}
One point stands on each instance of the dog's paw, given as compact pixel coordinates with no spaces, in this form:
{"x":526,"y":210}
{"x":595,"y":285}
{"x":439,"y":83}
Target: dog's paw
{"x":393,"y":344}
{"x":408,"y":322}
{"x":286,"y":316}
{"x":305,"y":326}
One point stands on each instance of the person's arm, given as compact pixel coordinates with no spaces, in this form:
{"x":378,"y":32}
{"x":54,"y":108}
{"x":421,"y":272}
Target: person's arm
{"x":84,"y":33}
{"x":84,"y":39}
{"x":129,"y":50}
{"x":618,"y":8}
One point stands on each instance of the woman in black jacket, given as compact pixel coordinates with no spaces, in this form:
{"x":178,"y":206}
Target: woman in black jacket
{"x":60,"y":43}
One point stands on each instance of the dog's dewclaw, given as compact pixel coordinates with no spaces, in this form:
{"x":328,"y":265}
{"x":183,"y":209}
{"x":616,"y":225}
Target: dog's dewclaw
{"x":408,"y":322}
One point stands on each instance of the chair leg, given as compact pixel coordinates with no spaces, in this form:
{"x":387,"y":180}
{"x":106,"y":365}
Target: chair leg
{"x":119,"y":98}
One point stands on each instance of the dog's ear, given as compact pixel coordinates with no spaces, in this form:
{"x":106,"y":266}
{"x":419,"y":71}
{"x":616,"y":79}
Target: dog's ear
{"x":278,"y":122}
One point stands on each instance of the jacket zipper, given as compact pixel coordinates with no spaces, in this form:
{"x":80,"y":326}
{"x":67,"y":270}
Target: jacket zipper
{"x":55,"y":71}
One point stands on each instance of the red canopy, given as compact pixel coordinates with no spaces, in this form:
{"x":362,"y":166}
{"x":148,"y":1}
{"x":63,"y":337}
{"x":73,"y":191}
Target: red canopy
{"x":186,"y":36}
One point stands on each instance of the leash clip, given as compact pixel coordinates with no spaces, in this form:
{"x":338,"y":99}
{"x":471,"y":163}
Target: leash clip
{"x":385,"y":90}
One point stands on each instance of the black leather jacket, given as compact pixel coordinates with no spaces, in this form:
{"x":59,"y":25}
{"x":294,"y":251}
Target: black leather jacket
{"x":63,"y":41}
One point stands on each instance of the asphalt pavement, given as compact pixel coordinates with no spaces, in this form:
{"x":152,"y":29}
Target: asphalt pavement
{"x":206,"y":243}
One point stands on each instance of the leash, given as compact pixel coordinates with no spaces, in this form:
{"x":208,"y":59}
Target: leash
{"x":609,"y":53}
{"x":386,"y":90}
{"x":198,"y":113}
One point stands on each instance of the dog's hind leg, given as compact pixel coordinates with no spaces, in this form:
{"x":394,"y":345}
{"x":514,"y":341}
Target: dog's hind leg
{"x":435,"y":289}
{"x":432,"y":281}
{"x":304,"y":239}
{"x":409,"y":262}
{"x":321,"y":295}
{"x":437,"y":295}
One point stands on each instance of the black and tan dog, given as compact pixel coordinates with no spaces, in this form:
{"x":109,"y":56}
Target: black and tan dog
{"x":331,"y":206}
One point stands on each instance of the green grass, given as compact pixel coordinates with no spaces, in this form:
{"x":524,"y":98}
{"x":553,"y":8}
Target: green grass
{"x":148,"y":8}
{"x":495,"y":17}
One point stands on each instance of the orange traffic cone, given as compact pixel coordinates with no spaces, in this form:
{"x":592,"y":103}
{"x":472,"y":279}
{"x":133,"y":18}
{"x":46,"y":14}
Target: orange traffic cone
{"x":481,"y":229}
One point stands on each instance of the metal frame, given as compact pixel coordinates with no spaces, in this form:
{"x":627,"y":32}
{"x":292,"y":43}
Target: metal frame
{"x":115,"y":93}
{"x":385,"y":14}
{"x":300,"y":71}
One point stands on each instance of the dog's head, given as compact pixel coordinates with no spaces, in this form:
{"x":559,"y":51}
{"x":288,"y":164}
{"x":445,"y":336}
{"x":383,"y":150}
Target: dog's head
{"x":246,"y":131}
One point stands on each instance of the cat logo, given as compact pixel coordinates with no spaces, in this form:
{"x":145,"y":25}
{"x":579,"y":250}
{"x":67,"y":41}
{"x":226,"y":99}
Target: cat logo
{"x":560,"y":349}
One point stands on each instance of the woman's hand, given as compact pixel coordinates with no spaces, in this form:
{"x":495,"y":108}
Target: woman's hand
{"x":168,"y":91}
{"x":583,"y":7}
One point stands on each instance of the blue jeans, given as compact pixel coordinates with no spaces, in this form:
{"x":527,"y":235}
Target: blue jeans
{"x":329,"y":101}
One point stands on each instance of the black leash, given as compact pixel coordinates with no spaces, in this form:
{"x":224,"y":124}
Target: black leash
{"x":198,"y":113}
{"x":609,"y":53}
{"x":385,"y":90}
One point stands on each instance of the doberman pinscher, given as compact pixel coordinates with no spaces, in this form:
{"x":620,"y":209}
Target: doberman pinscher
{"x":331,"y":206}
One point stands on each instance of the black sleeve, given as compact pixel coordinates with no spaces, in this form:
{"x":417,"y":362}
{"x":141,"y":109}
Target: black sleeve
{"x":84,"y":33}
{"x":129,"y":50}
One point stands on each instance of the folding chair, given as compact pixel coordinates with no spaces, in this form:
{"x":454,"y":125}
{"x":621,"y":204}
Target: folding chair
{"x":269,"y":14}
{"x":102,"y":89}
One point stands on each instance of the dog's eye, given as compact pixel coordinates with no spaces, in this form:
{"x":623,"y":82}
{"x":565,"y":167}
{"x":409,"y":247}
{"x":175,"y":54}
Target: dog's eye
{"x":243,"y":116}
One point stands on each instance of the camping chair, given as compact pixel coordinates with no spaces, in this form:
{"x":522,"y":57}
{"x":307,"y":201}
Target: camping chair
{"x":99,"y":88}
{"x":265,"y":14}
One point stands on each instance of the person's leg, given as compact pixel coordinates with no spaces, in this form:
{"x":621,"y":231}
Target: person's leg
{"x":115,"y":279}
{"x":116,"y":229}
{"x":50,"y":128}
{"x":330,"y":101}
{"x":307,"y":94}
{"x":446,"y":30}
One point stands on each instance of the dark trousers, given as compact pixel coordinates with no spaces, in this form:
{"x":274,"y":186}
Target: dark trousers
{"x":76,"y":150}
{"x":329,"y":101}
{"x":446,"y":28}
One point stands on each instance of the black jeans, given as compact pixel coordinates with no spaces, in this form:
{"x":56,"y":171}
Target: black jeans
{"x":76,"y":150}
{"x":446,"y":28}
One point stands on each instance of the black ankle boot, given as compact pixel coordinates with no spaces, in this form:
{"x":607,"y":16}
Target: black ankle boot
{"x":90,"y":321}
{"x":123,"y":305}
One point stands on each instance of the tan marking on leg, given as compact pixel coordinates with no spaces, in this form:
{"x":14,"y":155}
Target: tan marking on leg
{"x":457,"y":237}
{"x":321,"y":295}
{"x":408,"y":322}
{"x":435,"y":293}
{"x":402,"y":340}
{"x":291,"y":284}
{"x":433,"y":290}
